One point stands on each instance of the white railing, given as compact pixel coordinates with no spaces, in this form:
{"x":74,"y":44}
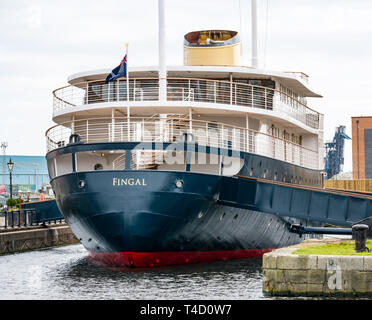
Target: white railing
{"x":174,"y":129}
{"x":181,"y":89}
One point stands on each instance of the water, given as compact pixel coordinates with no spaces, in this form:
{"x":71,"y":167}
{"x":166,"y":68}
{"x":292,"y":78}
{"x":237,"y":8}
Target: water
{"x":66,"y":273}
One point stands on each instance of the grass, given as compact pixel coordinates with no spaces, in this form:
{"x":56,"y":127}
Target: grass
{"x":342,"y":248}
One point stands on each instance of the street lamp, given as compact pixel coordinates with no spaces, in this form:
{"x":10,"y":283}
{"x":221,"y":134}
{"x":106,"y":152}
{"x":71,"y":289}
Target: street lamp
{"x":10,"y":168}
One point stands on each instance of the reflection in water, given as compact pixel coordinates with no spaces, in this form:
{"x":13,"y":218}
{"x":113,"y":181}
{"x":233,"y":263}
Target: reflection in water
{"x":66,"y":273}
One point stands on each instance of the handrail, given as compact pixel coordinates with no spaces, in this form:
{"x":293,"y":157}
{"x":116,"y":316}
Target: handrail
{"x":206,"y":133}
{"x":214,"y":91}
{"x":124,"y":119}
{"x":102,"y":81}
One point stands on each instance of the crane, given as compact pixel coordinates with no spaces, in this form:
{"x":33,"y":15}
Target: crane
{"x":334,"y":158}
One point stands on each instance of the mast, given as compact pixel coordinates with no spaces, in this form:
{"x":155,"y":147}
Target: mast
{"x":254,"y":33}
{"x":162,"y":61}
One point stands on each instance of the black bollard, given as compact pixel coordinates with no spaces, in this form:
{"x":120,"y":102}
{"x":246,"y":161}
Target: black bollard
{"x":360,"y":236}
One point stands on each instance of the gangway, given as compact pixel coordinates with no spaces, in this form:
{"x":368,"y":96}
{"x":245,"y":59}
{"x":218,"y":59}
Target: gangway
{"x":334,"y":207}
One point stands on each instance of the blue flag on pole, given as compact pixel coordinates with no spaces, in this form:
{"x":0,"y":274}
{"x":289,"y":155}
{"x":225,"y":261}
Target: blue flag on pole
{"x":119,"y":71}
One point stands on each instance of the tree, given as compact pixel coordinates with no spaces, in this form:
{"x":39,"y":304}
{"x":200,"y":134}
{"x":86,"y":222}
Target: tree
{"x":11,"y":202}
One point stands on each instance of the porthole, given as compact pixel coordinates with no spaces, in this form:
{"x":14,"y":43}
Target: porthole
{"x":98,"y":166}
{"x":179,"y":184}
{"x":81,"y":184}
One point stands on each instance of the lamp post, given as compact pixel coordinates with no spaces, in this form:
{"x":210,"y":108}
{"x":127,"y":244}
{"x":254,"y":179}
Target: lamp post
{"x":10,"y":168}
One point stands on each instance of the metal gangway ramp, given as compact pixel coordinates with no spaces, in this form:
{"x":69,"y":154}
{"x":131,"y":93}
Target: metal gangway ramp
{"x":331,"y":206}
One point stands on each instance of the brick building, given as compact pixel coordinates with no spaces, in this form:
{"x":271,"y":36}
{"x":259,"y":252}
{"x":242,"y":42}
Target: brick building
{"x":362,"y":147}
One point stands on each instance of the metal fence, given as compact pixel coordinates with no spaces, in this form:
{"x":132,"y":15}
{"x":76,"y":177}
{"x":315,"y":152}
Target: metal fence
{"x":23,"y":218}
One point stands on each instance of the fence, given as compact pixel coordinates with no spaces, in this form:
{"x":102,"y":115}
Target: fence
{"x":32,"y":214}
{"x":17,"y":218}
{"x":353,"y":185}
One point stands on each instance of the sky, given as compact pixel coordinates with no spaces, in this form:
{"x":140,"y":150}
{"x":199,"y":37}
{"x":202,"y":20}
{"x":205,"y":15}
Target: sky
{"x":43,"y":42}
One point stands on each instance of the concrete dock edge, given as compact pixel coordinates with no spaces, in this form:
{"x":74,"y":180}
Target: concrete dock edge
{"x":37,"y":238}
{"x":288,"y":274}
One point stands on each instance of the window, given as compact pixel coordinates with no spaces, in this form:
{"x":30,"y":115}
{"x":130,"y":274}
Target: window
{"x":51,"y":168}
{"x":63,"y":164}
{"x":100,"y":160}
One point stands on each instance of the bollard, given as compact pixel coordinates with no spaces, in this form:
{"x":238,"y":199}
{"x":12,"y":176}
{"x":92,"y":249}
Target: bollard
{"x":360,"y":237}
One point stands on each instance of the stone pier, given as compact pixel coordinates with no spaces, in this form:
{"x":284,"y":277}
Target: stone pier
{"x":288,"y":274}
{"x":35,"y":238}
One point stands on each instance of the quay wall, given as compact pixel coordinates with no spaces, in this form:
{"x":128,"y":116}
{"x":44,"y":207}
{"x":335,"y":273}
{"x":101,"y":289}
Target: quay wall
{"x":288,"y":274}
{"x":35,"y":238}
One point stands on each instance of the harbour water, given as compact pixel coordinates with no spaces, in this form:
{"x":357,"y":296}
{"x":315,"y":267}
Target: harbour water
{"x":66,"y":273}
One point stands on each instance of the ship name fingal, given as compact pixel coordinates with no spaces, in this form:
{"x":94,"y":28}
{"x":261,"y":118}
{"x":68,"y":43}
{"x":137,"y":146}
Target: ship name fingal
{"x":128,"y":182}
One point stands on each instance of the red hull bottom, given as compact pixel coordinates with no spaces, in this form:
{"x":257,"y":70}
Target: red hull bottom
{"x":157,"y":259}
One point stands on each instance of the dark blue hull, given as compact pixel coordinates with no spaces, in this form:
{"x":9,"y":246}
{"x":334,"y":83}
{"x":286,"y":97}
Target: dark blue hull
{"x":159,"y":218}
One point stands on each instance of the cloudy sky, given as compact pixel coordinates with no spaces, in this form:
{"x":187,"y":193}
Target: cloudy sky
{"x":43,"y":42}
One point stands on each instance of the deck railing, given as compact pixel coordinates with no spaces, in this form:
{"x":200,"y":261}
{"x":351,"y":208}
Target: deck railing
{"x":173,"y":129}
{"x":187,"y":90}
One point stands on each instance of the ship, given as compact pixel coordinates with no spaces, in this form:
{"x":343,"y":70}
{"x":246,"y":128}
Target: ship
{"x":138,"y":164}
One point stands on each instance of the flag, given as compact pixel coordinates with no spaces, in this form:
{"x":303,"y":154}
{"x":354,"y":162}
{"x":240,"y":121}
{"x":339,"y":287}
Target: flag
{"x":119,"y":71}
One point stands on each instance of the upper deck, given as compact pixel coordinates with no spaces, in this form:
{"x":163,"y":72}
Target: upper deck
{"x":207,"y":90}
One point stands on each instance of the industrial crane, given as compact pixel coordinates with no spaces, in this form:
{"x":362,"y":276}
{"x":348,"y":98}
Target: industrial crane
{"x":334,"y":158}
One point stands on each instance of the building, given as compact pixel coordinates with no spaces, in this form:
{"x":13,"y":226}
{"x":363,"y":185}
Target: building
{"x":362,"y":147}
{"x":30,"y":173}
